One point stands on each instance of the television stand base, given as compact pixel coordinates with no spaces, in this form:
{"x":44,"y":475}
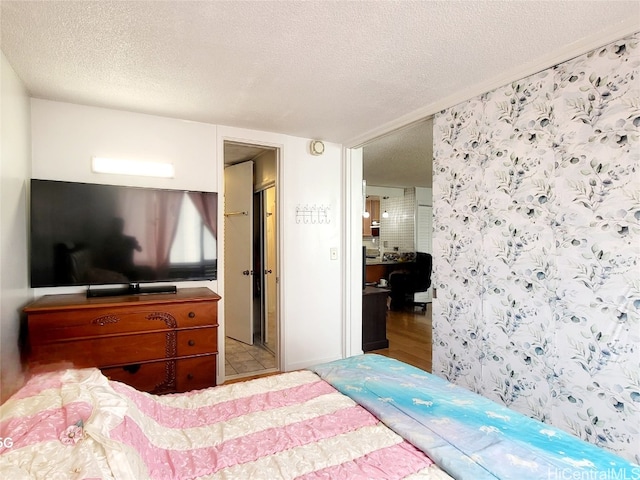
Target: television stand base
{"x":131,"y":289}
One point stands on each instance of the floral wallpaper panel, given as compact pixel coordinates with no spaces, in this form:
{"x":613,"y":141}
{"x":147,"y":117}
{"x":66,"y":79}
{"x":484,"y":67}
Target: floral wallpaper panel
{"x":537,"y":246}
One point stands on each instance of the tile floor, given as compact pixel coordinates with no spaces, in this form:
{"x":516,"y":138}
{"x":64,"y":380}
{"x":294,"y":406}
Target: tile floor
{"x":242,"y":359}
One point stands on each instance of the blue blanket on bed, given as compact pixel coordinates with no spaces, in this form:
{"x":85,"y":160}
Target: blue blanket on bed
{"x":467,"y":435}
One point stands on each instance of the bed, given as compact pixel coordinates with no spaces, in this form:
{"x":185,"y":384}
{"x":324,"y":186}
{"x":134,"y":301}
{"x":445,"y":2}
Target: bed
{"x":364,"y":417}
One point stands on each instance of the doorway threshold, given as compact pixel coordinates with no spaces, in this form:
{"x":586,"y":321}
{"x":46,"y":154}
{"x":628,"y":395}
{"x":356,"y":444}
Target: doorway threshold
{"x":242,"y":360}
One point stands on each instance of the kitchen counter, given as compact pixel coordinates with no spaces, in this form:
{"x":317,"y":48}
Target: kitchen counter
{"x":377,"y":269}
{"x":378,"y":261}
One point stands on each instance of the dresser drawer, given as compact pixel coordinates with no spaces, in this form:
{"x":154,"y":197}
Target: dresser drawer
{"x":52,"y":326}
{"x":196,"y":373}
{"x":154,"y":377}
{"x":167,"y":376}
{"x":197,"y":341}
{"x":103,"y":352}
{"x":158,"y":343}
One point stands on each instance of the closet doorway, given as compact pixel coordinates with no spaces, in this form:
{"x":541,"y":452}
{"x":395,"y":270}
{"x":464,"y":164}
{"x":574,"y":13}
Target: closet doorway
{"x":250,"y":257}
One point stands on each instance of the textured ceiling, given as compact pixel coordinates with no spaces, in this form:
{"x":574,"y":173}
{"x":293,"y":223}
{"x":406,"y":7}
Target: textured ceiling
{"x":331,"y":70}
{"x":403,"y":158}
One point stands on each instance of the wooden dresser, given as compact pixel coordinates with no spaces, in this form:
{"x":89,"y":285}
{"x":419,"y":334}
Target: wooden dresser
{"x":158,"y":343}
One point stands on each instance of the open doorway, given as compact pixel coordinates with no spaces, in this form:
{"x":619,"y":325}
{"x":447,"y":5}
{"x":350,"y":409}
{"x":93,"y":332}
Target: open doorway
{"x":397,"y":216}
{"x":251,"y":263}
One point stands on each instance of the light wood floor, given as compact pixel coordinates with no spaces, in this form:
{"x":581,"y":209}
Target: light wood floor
{"x":409,"y":334}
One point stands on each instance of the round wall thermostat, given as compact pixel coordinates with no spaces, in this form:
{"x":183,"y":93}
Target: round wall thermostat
{"x":317,"y":147}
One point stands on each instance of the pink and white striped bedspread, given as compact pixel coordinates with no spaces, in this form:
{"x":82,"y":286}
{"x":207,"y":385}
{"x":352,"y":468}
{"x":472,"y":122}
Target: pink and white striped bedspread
{"x":78,"y":424}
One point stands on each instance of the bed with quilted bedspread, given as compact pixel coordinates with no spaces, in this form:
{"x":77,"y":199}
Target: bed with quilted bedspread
{"x":366,"y":417}
{"x":78,"y":424}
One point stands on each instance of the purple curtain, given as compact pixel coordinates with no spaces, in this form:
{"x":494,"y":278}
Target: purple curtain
{"x":151,"y":220}
{"x":208,"y":209}
{"x":166,"y":226}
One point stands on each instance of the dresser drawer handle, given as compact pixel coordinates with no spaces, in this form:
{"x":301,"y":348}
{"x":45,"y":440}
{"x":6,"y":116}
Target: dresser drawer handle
{"x":192,"y":314}
{"x":189,"y":376}
{"x":191,"y":343}
{"x":133,"y":369}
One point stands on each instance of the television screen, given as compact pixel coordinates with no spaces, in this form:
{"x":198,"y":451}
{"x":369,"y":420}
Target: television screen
{"x":90,"y":234}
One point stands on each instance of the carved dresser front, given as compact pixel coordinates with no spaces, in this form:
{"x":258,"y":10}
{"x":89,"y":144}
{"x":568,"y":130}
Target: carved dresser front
{"x":158,"y":343}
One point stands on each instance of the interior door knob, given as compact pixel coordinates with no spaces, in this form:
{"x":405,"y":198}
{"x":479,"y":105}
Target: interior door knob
{"x":268,"y":271}
{"x":246,"y":272}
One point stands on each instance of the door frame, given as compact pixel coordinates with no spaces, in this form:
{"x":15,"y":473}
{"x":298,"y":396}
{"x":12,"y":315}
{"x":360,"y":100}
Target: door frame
{"x":280,"y":318}
{"x":268,"y":250}
{"x":352,"y":246}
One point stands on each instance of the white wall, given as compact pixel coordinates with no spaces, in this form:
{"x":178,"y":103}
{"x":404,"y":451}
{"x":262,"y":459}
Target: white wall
{"x":310,"y":294}
{"x":424,"y":196}
{"x":314,"y":292}
{"x":66,"y":136}
{"x":14,"y":172}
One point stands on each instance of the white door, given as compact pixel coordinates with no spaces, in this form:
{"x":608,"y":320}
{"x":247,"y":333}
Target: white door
{"x":238,"y":254}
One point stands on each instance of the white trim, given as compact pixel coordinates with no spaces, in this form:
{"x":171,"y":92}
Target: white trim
{"x":219,"y":156}
{"x":567,"y":52}
{"x":281,"y":352}
{"x":347,"y":240}
{"x":311,"y":363}
{"x":352,"y":248}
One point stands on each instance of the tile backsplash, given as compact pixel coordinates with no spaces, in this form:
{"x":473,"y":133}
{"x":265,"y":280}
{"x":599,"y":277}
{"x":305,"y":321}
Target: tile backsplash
{"x":397,"y":231}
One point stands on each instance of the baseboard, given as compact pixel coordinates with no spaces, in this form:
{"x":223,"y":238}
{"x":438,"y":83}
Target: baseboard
{"x":311,"y":363}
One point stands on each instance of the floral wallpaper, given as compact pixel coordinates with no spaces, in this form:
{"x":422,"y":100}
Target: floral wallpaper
{"x":537,"y":246}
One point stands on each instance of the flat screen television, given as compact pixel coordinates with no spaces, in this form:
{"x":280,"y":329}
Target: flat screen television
{"x":84,"y":234}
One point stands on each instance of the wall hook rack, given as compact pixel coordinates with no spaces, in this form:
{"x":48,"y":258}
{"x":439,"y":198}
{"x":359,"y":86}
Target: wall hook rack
{"x":313,"y":214}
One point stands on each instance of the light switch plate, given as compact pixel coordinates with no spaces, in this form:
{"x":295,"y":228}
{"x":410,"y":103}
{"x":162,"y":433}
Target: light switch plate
{"x":333,"y":252}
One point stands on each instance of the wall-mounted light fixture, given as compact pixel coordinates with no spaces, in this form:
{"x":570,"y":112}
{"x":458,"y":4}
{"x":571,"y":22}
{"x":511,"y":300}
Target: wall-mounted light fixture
{"x":132,"y":167}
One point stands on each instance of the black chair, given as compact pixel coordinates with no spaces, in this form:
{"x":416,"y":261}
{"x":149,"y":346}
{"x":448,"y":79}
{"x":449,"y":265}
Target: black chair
{"x":405,"y":283}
